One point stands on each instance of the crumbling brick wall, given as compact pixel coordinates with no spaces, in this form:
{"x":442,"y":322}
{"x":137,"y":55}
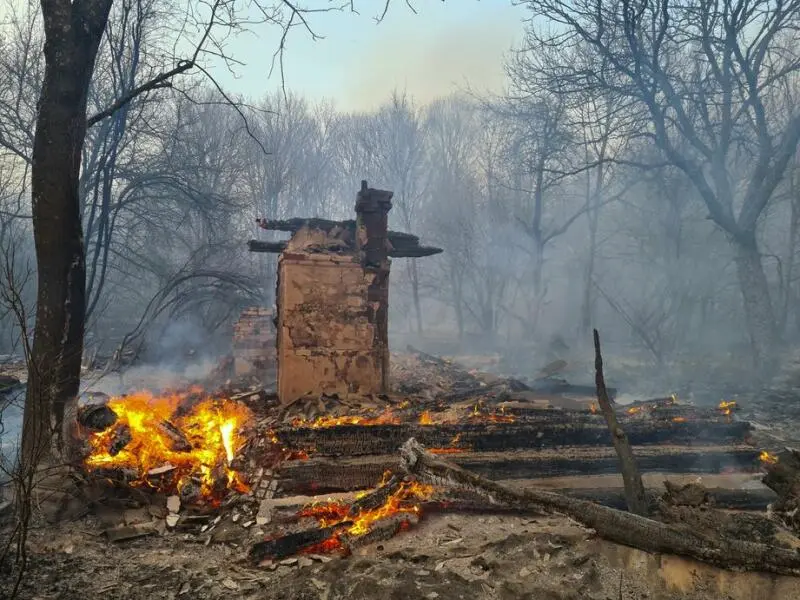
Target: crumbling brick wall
{"x":254,"y":351}
{"x":327,"y":326}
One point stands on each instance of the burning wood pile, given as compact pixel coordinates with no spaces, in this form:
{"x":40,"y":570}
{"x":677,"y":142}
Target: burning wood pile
{"x":242,"y":469}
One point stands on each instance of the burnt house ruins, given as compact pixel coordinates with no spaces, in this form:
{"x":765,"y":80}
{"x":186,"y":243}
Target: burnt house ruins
{"x":332,"y":298}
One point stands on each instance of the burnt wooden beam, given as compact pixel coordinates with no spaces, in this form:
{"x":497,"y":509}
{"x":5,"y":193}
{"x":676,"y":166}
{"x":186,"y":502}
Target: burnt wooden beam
{"x":358,"y":440}
{"x":327,"y":475}
{"x":703,"y":544}
{"x":401,"y":251}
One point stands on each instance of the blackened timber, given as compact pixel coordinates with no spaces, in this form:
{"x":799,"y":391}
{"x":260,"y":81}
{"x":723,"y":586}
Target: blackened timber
{"x":401,"y":250}
{"x":327,"y":475}
{"x":358,"y":440}
{"x":290,"y":544}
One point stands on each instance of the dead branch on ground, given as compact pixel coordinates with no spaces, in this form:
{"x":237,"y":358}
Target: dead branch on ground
{"x":610,"y":524}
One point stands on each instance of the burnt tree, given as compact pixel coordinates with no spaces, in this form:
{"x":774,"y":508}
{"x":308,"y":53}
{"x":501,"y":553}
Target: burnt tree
{"x":73,"y":31}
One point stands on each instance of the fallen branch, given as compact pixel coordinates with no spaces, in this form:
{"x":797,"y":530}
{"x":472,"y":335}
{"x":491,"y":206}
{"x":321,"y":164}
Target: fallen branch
{"x":632,"y":480}
{"x":610,"y":524}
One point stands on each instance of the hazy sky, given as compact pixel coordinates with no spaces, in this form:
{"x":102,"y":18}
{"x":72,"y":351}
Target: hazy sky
{"x":358,"y":63}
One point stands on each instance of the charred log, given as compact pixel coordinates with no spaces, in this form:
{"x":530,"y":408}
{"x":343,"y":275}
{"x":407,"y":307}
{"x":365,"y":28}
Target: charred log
{"x":614,"y":525}
{"x":783,"y":476}
{"x":121,"y":437}
{"x":327,"y":475}
{"x":585,"y":430}
{"x":380,"y":531}
{"x":377,"y":498}
{"x":96,"y":417}
{"x":288,"y":545}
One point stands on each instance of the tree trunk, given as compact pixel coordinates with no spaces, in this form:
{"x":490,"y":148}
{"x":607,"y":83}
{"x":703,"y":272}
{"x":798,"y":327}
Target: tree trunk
{"x":414,"y":273}
{"x":759,"y":315}
{"x":73,"y":32}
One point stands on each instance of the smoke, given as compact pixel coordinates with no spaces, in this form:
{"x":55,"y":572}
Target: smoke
{"x":432,"y":66}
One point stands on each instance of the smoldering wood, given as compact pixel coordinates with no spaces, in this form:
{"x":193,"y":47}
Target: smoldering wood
{"x":381,"y":530}
{"x":632,"y":479}
{"x":565,"y":431}
{"x":376,"y":498}
{"x":617,"y":526}
{"x":175,"y":435}
{"x":783,"y":477}
{"x":326,"y":475}
{"x":96,"y":417}
{"x":292,"y":543}
{"x":120,"y":438}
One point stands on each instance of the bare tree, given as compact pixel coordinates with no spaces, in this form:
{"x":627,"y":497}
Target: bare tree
{"x":703,"y":76}
{"x":73,"y":33}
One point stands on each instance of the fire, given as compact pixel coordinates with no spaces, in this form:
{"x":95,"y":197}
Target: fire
{"x":495,"y":417}
{"x":678,"y":419}
{"x":385,"y":418}
{"x":405,"y":500}
{"x":634,"y":410}
{"x":593,"y":408}
{"x":198,"y":441}
{"x":727,"y":407}
{"x":425,"y":418}
{"x":767,"y":458}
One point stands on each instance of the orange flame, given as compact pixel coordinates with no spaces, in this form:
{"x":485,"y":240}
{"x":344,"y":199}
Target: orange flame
{"x":209,"y":430}
{"x":405,"y":500}
{"x":593,"y":408}
{"x":768,"y":458}
{"x":634,"y":410}
{"x":385,"y":418}
{"x":727,"y":407}
{"x":425,"y":418}
{"x":678,"y":419}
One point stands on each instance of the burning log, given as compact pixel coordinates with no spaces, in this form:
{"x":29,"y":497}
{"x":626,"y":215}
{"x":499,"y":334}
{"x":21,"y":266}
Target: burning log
{"x":614,"y":525}
{"x":380,"y":531}
{"x":377,"y":498}
{"x":120,"y":438}
{"x":783,"y":477}
{"x":327,"y":475}
{"x":565,"y":429}
{"x":96,"y":417}
{"x":179,"y":441}
{"x":290,"y":544}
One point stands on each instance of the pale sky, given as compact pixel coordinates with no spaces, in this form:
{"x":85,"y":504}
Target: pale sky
{"x":358,"y":63}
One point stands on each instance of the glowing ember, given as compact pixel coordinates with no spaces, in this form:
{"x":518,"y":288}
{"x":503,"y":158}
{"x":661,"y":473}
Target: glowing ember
{"x":385,"y":418}
{"x":678,"y":419}
{"x":593,"y":408}
{"x":476,"y":415}
{"x":425,"y":418}
{"x":727,"y":407}
{"x":405,"y":500}
{"x":633,"y":410}
{"x":199,"y":440}
{"x":768,"y":458}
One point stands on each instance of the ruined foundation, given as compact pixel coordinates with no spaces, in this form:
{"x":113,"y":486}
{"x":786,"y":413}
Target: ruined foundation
{"x":332,"y":299}
{"x":254,"y":342}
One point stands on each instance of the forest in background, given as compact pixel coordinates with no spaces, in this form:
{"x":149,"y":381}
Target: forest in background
{"x":659,"y":202}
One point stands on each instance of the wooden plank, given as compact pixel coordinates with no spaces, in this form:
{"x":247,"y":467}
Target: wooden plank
{"x":586,"y":430}
{"x":321,"y":475}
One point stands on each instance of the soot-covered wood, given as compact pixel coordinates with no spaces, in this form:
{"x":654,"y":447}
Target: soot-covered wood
{"x":583,"y":430}
{"x":324,"y":475}
{"x":614,"y":525}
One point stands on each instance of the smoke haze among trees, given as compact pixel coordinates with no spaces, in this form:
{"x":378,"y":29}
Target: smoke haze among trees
{"x":639,"y":174}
